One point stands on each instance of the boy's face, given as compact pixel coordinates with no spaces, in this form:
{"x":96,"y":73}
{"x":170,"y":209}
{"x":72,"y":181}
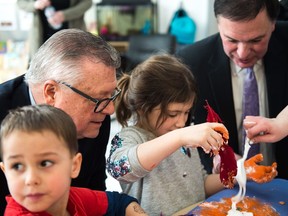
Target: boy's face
{"x":176,"y":118}
{"x":38,"y":168}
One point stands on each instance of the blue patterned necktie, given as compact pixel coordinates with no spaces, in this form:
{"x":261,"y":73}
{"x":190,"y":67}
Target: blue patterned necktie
{"x":250,"y":104}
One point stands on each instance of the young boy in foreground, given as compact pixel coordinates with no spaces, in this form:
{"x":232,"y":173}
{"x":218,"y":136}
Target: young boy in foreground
{"x":38,"y":145}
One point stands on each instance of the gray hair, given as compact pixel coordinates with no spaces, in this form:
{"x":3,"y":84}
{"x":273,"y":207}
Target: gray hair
{"x":59,"y":58}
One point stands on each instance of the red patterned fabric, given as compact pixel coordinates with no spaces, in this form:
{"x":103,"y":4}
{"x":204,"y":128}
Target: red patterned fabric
{"x":228,"y":164}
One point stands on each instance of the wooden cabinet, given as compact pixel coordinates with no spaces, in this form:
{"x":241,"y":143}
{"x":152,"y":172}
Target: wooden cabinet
{"x":121,"y":46}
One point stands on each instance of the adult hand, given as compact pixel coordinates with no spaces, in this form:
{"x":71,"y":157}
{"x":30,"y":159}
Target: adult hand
{"x":57,"y":19}
{"x":259,"y":173}
{"x":41,"y":4}
{"x":260,"y":129}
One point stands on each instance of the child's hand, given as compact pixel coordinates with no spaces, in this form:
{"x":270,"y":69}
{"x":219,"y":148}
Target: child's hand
{"x":259,"y":173}
{"x":205,"y":136}
{"x":225,"y":135}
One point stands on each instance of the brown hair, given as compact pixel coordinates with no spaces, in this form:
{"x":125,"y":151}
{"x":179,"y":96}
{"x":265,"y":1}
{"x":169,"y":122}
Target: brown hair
{"x":245,"y":10}
{"x":37,"y":119}
{"x":160,"y":80}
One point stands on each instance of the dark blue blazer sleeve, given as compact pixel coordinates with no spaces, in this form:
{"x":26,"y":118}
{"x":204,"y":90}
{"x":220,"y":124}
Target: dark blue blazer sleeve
{"x":118,"y":202}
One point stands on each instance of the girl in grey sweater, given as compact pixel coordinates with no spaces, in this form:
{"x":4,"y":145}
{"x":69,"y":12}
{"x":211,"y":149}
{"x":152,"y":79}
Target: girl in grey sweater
{"x":155,"y":158}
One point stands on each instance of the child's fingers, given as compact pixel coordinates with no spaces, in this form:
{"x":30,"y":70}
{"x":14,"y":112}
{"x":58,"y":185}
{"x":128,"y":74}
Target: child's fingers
{"x":223,"y":131}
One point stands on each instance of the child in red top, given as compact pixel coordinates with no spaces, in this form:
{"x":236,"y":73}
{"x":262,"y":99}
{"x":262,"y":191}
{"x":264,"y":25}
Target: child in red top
{"x":38,"y":145}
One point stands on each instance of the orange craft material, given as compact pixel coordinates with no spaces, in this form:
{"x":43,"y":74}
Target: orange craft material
{"x":259,"y":173}
{"x":228,"y":164}
{"x":248,"y":204}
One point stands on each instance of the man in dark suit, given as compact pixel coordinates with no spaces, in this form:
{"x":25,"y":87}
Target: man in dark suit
{"x":70,"y":71}
{"x":248,"y":37}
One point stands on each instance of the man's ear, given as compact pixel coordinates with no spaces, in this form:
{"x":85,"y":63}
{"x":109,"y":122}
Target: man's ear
{"x":76,"y":165}
{"x":49,"y":91}
{"x":2,"y":167}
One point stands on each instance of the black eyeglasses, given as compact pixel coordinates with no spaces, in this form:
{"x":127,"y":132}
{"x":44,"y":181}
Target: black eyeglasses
{"x":101,"y":104}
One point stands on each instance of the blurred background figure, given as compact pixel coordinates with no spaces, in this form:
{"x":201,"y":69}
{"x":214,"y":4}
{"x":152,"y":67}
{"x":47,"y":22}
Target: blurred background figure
{"x":52,"y":16}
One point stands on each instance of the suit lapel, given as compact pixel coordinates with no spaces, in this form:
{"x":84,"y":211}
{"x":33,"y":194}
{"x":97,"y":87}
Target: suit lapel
{"x":20,"y":95}
{"x":220,"y":81}
{"x":276,"y":64}
{"x":221,"y":84}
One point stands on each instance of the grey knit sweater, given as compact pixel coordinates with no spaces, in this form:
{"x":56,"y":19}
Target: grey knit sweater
{"x":177,"y":182}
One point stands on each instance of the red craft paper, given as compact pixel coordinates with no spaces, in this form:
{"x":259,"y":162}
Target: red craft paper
{"x":228,"y":164}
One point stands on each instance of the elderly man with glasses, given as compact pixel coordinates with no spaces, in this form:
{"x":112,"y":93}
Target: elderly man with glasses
{"x":100,"y":104}
{"x":76,"y":72}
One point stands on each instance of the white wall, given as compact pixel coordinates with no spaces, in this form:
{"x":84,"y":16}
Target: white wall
{"x":199,"y":10}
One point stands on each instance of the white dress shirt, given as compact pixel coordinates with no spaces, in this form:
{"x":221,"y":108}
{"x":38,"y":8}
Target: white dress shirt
{"x":237,"y":85}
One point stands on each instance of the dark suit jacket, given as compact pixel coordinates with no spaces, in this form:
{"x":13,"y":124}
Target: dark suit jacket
{"x":211,"y":68}
{"x":14,"y":93}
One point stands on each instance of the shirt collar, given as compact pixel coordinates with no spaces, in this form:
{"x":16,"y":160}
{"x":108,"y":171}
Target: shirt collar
{"x":238,"y":69}
{"x":33,"y":102}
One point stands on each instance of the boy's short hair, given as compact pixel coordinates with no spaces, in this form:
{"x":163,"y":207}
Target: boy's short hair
{"x":37,"y":118}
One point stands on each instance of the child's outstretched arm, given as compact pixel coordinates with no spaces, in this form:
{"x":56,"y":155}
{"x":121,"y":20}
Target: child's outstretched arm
{"x":130,"y":159}
{"x":151,"y":153}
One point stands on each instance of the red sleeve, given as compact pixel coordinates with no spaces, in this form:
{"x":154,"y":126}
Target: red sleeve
{"x":83,"y":201}
{"x":13,"y":208}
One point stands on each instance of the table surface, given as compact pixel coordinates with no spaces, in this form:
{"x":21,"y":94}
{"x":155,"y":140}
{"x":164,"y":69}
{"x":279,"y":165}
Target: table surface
{"x":272,"y":193}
